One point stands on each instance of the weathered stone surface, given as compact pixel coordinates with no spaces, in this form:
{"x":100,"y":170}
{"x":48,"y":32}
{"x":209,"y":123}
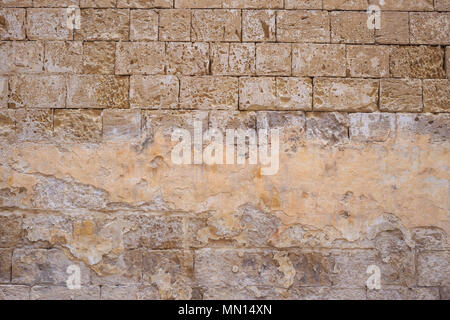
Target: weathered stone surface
{"x":273,"y":59}
{"x":417,"y":62}
{"x":12,"y":24}
{"x":97,"y":91}
{"x":345,"y":4}
{"x":187,"y":59}
{"x":430,"y":28}
{"x":64,"y":56}
{"x":436,"y":95}
{"x":21,"y":57}
{"x":350,"y":27}
{"x":55,"y":3}
{"x":447,"y":63}
{"x":9,"y":292}
{"x":303,"y":26}
{"x":248,"y":4}
{"x":442,"y":5}
{"x":345,"y":95}
{"x":144,"y":3}
{"x":404,"y":294}
{"x":5,"y":265}
{"x":34,"y":125}
{"x":7,"y":125}
{"x":16,"y":3}
{"x":235,"y":59}
{"x":303,"y":4}
{"x":175,"y":25}
{"x":258,"y":25}
{"x":63,"y":293}
{"x":103,"y":24}
{"x":327,"y":128}
{"x":433,"y":127}
{"x":37,"y":91}
{"x":368,"y":61}
{"x":209,"y":93}
{"x":406,"y":5}
{"x":143,"y":25}
{"x":97,"y":3}
{"x":3,"y":92}
{"x":98,"y":57}
{"x":48,"y":24}
{"x":433,"y":268}
{"x":394,"y":28}
{"x":318,"y":60}
{"x":140,"y":58}
{"x":216,"y":25}
{"x":402,"y":95}
{"x":129,"y":292}
{"x":378,"y":127}
{"x":78,"y":125}
{"x":154,"y":92}
{"x":121,"y":124}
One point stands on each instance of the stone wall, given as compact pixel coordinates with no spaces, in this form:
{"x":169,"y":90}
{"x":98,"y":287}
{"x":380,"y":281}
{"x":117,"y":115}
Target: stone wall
{"x":86,"y":177}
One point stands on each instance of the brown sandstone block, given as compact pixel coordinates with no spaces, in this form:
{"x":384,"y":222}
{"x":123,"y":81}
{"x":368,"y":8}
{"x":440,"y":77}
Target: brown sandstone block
{"x":257,"y":93}
{"x":345,"y":4}
{"x":10,"y":230}
{"x":209,"y":93}
{"x":103,"y":24}
{"x":402,"y":293}
{"x":294,"y":94}
{"x":55,"y":3}
{"x":144,"y":4}
{"x":447,"y":63}
{"x":48,"y":24}
{"x":348,"y":95}
{"x":327,"y":127}
{"x":187,"y":58}
{"x":121,"y":124}
{"x":64,"y":56}
{"x":63,"y":293}
{"x":3,"y":92}
{"x":372,"y":127}
{"x":368,"y":61}
{"x":16,"y":3}
{"x":303,"y":26}
{"x":273,"y":59}
{"x":238,"y":4}
{"x":436,"y":95}
{"x":216,"y":25}
{"x":430,"y":27}
{"x":303,"y":4}
{"x":78,"y":125}
{"x":129,"y":292}
{"x":316,"y":60}
{"x":405,"y":5}
{"x":7,"y":132}
{"x":175,"y":25}
{"x":5,"y":265}
{"x":258,"y":25}
{"x":97,"y":3}
{"x":14,"y":292}
{"x":143,"y":25}
{"x":140,"y":58}
{"x":12,"y":24}
{"x":234,"y":59}
{"x":350,"y":27}
{"x":402,"y":95}
{"x":97,"y":91}
{"x":34,"y":124}
{"x":442,"y":5}
{"x":98,"y":57}
{"x":154,"y":92}
{"x":394,"y":28}
{"x":37,"y":91}
{"x":417,"y":62}
{"x":21,"y":56}
{"x":433,"y":268}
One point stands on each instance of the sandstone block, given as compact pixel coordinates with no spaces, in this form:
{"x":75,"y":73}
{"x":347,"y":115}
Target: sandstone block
{"x":394,"y":28}
{"x":129,"y":292}
{"x":216,"y":25}
{"x":16,"y":3}
{"x":11,"y":230}
{"x":154,"y":92}
{"x":303,"y":4}
{"x":3,"y":92}
{"x":103,"y":24}
{"x":144,"y":4}
{"x":233,"y":59}
{"x":303,"y":26}
{"x":7,"y":132}
{"x":78,"y":125}
{"x":436,"y":95}
{"x":433,"y":126}
{"x":368,"y":61}
{"x":404,"y":294}
{"x":143,"y":25}
{"x":21,"y":57}
{"x":97,"y":3}
{"x":48,"y":24}
{"x":401,"y":95}
{"x":345,"y":5}
{"x":430,"y":28}
{"x":14,"y":292}
{"x":327,"y":127}
{"x":34,"y":124}
{"x":442,"y":5}
{"x":433,"y":268}
{"x":98,"y":57}
{"x":372,"y":127}
{"x":447,"y":63}
{"x":5,"y":265}
{"x":55,"y":3}
{"x":121,"y":124}
{"x":238,"y":4}
{"x":417,"y":62}
{"x":64,"y":56}
{"x":187,"y":59}
{"x":316,"y":60}
{"x":273,"y":59}
{"x":345,"y":95}
{"x":175,"y":25}
{"x":350,"y":27}
{"x":12,"y":24}
{"x":64,"y":293}
{"x":258,"y":25}
{"x":140,"y":58}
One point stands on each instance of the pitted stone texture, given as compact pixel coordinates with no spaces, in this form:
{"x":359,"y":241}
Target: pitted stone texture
{"x":48,"y":24}
{"x":144,"y":4}
{"x":3,"y":92}
{"x":37,"y":91}
{"x":433,"y":268}
{"x":442,"y":5}
{"x":55,"y":3}
{"x":21,"y":57}
{"x":216,"y":25}
{"x":405,"y":5}
{"x":436,"y":95}
{"x":97,"y":91}
{"x":103,"y":24}
{"x":258,"y":25}
{"x":129,"y":292}
{"x":78,"y":125}
{"x":63,"y":293}
{"x":140,"y":58}
{"x":187,"y":59}
{"x":417,"y":62}
{"x":345,"y":4}
{"x":238,"y":4}
{"x":5,"y":265}
{"x":34,"y":124}
{"x":154,"y":92}
{"x":401,"y":95}
{"x":11,"y":228}
{"x":98,"y":57}
{"x":404,"y":294}
{"x":16,"y":3}
{"x":97,"y":3}
{"x":318,"y":60}
{"x":273,"y":59}
{"x":121,"y":124}
{"x":234,"y":59}
{"x":435,"y":127}
{"x":14,"y":292}
{"x":209,"y":93}
{"x":303,"y":26}
{"x":430,"y":28}
{"x":326,"y":128}
{"x":447,"y":63}
{"x":368,"y":61}
{"x":175,"y":25}
{"x":303,"y":4}
{"x":373,"y":127}
{"x":143,"y":25}
{"x":350,"y":27}
{"x":7,"y":125}
{"x":64,"y":56}
{"x":394,"y":28}
{"x":12,"y":24}
{"x":345,"y":95}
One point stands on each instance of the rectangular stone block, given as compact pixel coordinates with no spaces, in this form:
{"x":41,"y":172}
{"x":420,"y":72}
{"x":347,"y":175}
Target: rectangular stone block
{"x":372,"y":127}
{"x":63,"y":293}
{"x":318,"y":60}
{"x":34,"y":124}
{"x":3,"y":92}
{"x":394,"y":28}
{"x":433,"y":268}
{"x":209,"y":93}
{"x":405,"y":5}
{"x":12,"y":24}
{"x":238,"y":4}
{"x":303,"y":26}
{"x":55,"y":3}
{"x":97,"y":3}
{"x":64,"y":56}
{"x":436,"y":95}
{"x":103,"y":24}
{"x":5,"y":265}
{"x":16,"y":3}
{"x":14,"y":292}
{"x":303,"y":4}
{"x":401,"y":95}
{"x":327,"y":128}
{"x":273,"y":59}
{"x":48,"y":24}
{"x":368,"y":61}
{"x":21,"y":56}
{"x":147,"y":4}
{"x":216,"y":25}
{"x":404,"y":294}
{"x":140,"y":58}
{"x":121,"y":125}
{"x":154,"y":92}
{"x":258,"y":25}
{"x":442,"y":5}
{"x":350,"y":27}
{"x":234,"y":59}
{"x":144,"y":25}
{"x":97,"y":91}
{"x":78,"y":125}
{"x":7,"y":132}
{"x":348,"y":95}
{"x":37,"y":91}
{"x":294,"y":93}
{"x":417,"y":62}
{"x":345,"y":4}
{"x":98,"y":57}
{"x":129,"y":292}
{"x":187,"y":59}
{"x":175,"y":25}
{"x":430,"y":28}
